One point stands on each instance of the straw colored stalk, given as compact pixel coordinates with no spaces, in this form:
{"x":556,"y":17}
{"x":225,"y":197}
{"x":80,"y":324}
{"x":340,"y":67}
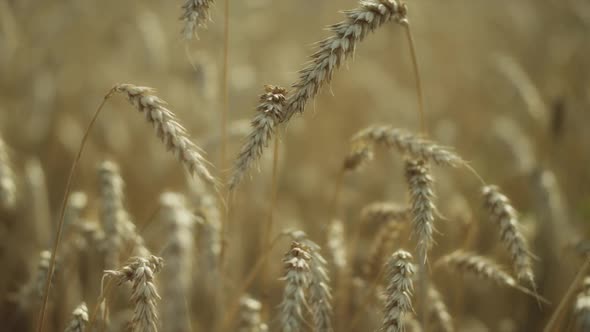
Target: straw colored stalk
{"x":168,"y":129}
{"x":334,"y":50}
{"x":297,"y":278}
{"x":505,"y":216}
{"x":270,"y":113}
{"x":399,"y":291}
{"x":408,"y":144}
{"x":140,"y":272}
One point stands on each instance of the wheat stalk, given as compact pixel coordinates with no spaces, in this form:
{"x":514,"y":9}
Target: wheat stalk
{"x":79,"y":319}
{"x":297,"y":279}
{"x":407,"y":144}
{"x":168,"y":129}
{"x":505,"y":216}
{"x":195,"y":13}
{"x":140,"y":271}
{"x":334,"y":50}
{"x":270,"y":113}
{"x":399,"y":291}
{"x":7,"y":179}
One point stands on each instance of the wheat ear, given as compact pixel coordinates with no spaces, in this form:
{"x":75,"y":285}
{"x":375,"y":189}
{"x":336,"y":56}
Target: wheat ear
{"x":482,"y":268}
{"x":422,"y":204}
{"x":582,"y":308}
{"x":382,"y":245}
{"x":79,"y":319}
{"x":140,"y":271}
{"x":399,"y":291}
{"x":336,"y":244}
{"x":178,"y":255}
{"x":117,"y":223}
{"x":195,"y":14}
{"x":270,"y":112}
{"x":382,"y":212}
{"x":250,"y":318}
{"x":334,"y":50}
{"x":438,"y":312}
{"x":168,"y":129}
{"x":297,"y":278}
{"x":407,"y":144}
{"x":320,"y":294}
{"x":7,"y":180}
{"x":505,"y":216}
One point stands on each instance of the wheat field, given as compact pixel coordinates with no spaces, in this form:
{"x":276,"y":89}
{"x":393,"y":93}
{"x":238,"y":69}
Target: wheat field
{"x":310,"y":165}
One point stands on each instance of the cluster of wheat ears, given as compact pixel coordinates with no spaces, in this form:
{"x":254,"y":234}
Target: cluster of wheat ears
{"x":321,"y":285}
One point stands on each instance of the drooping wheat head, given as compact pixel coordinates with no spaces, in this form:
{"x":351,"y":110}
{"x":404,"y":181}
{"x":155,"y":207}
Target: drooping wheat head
{"x":505,"y":216}
{"x":168,"y":129}
{"x":195,"y":14}
{"x":408,"y":144}
{"x":270,"y":114}
{"x":140,"y":272}
{"x":334,"y":50}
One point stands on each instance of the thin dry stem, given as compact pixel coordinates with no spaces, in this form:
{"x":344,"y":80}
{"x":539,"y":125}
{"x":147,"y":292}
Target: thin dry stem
{"x":57,"y":241}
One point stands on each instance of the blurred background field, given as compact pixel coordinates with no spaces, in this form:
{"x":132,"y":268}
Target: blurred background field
{"x":507,"y":85}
